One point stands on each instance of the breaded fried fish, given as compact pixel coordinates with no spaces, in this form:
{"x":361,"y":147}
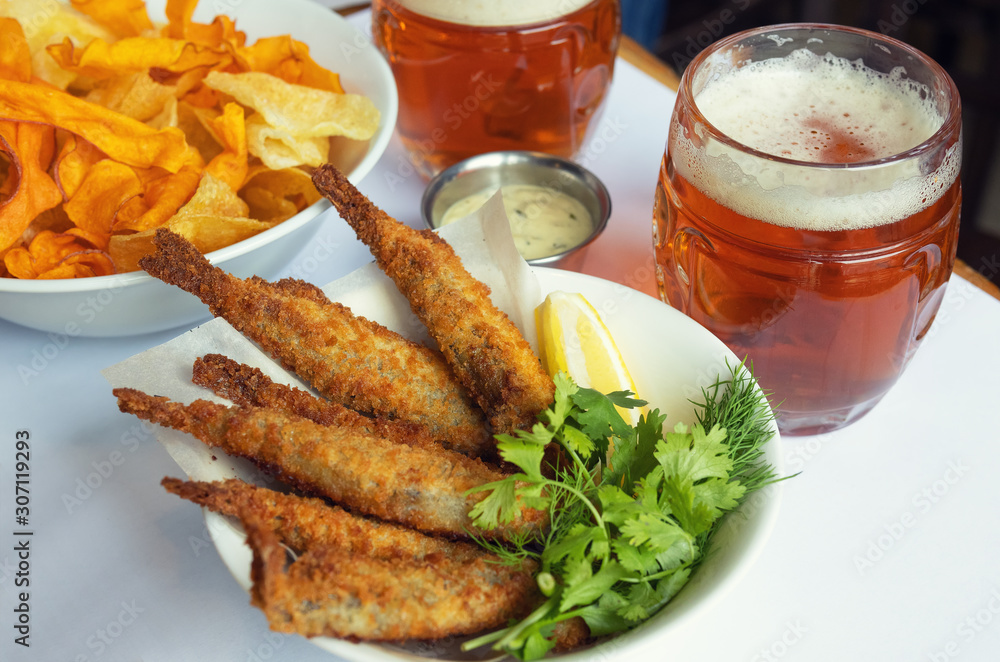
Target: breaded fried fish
{"x":247,"y":386}
{"x":306,"y":522}
{"x":329,"y":592}
{"x":346,"y":358}
{"x":424,"y":488}
{"x":484,"y":348}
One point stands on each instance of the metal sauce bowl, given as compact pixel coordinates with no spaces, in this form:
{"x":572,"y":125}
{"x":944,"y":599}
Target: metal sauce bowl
{"x":493,"y":170}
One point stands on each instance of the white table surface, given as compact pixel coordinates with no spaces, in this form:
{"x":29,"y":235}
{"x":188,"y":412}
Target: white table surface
{"x":887,"y":546}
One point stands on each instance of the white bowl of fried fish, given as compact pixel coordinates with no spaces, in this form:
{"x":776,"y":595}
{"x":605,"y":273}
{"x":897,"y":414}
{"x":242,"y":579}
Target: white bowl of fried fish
{"x":393,"y":568}
{"x":131,"y":303}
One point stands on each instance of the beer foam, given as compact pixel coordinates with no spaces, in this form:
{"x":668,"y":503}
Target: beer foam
{"x":817,"y":109}
{"x":494,"y":13}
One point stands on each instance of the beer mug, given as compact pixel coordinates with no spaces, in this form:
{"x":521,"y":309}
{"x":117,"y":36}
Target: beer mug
{"x":807,"y":210}
{"x":477,"y":77}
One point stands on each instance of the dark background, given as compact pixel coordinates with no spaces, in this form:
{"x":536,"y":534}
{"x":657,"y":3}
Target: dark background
{"x":962,"y":35}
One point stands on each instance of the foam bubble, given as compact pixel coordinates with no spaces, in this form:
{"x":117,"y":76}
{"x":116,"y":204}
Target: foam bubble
{"x":494,"y":12}
{"x":816,"y":109}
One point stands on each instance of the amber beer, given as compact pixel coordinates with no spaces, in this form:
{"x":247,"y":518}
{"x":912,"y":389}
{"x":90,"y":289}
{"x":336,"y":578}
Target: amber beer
{"x":807,"y":210}
{"x":475,"y":77}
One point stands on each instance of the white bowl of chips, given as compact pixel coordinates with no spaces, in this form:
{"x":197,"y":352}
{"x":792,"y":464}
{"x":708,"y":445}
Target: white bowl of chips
{"x":132,"y":302}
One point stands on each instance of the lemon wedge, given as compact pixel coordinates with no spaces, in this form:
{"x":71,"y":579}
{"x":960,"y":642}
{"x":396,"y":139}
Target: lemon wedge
{"x":572,"y":338}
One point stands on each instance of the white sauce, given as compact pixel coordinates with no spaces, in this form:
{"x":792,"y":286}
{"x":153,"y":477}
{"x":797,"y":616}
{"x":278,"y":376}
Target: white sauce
{"x":543,"y":221}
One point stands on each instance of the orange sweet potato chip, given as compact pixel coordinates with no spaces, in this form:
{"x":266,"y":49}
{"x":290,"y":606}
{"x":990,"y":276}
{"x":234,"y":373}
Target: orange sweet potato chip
{"x":162,"y":199}
{"x":121,"y":138}
{"x":15,"y":56}
{"x":231,"y":165}
{"x":29,"y":147}
{"x":125,"y":18}
{"x":289,"y":60}
{"x":179,"y":13}
{"x":57,"y":255}
{"x":109,"y":130}
{"x":107,"y":186}
{"x":100,"y":59}
{"x":74,"y":160}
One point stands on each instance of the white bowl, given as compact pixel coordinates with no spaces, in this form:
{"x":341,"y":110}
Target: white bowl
{"x":671,"y":358}
{"x":135,"y":303}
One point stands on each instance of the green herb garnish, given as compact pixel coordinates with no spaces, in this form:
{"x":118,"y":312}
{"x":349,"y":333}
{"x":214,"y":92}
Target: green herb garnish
{"x":626,"y":531}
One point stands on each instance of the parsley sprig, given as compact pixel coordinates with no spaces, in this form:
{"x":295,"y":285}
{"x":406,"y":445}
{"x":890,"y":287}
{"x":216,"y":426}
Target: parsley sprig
{"x":632,"y":509}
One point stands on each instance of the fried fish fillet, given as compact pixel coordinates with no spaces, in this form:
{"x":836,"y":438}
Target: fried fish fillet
{"x":484,"y":348}
{"x":418,"y":487}
{"x":348,"y":359}
{"x":329,"y":592}
{"x":247,"y":386}
{"x":304,"y":523}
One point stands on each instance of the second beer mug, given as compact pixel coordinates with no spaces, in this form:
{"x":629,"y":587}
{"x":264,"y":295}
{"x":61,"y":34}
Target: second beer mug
{"x":807,"y":210}
{"x":478,"y":77}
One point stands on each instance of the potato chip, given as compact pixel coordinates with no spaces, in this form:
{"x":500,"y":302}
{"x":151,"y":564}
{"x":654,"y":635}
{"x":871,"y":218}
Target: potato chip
{"x":198,"y":125}
{"x":279,"y":148}
{"x":15,"y":56}
{"x":136,"y":95}
{"x":207,"y":233}
{"x":57,"y":255}
{"x":215,"y":217}
{"x":51,"y":22}
{"x":30,"y":148}
{"x":179,"y":13}
{"x":222,"y":29}
{"x":121,"y":138}
{"x":125,"y":18}
{"x":162,"y":198}
{"x":277,"y":195}
{"x":289,"y":60}
{"x":210,"y":233}
{"x":231,"y":164}
{"x":168,"y":116}
{"x":74,"y":160}
{"x":100,"y":59}
{"x":303,"y":111}
{"x":109,"y":129}
{"x":106,"y":187}
{"x":81,"y":264}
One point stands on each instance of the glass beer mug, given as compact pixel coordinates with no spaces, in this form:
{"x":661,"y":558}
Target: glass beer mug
{"x":477,"y":77}
{"x":807,"y":210}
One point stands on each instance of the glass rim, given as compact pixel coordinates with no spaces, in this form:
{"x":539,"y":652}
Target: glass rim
{"x":939,"y":137}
